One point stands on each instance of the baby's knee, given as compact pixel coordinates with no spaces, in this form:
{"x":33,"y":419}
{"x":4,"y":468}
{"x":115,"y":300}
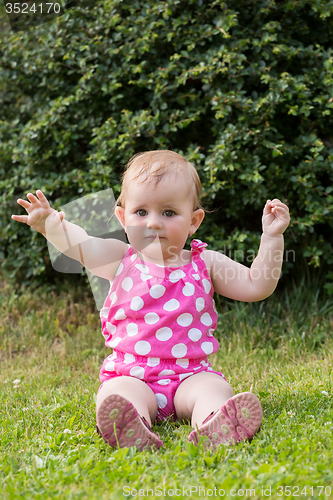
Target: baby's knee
{"x":125,"y":386}
{"x":211,"y":382}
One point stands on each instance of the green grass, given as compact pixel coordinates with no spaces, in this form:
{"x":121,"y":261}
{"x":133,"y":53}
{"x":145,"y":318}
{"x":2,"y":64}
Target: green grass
{"x":281,"y":349}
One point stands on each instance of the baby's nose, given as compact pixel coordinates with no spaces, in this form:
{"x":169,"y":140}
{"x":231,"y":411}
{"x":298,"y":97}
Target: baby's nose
{"x":154,"y":222}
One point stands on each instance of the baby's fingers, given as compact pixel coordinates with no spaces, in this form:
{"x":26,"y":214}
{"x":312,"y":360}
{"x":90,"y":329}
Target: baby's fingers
{"x":42,"y":198}
{"x":281,"y":213}
{"x":281,"y":208}
{"x":27,"y":206}
{"x":24,"y":203}
{"x":20,"y":218}
{"x":278,"y":203}
{"x":32,"y":198}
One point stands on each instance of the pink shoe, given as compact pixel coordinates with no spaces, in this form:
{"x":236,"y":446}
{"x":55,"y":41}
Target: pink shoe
{"x":238,"y":419}
{"x":120,"y":425}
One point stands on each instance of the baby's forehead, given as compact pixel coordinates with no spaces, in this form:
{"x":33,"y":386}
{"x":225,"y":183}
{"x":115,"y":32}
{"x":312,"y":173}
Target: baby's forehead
{"x":152,"y":179}
{"x":174,"y":188}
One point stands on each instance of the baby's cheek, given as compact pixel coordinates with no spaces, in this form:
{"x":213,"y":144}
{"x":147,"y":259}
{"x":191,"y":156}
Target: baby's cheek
{"x":134,"y":232}
{"x":136,"y":236}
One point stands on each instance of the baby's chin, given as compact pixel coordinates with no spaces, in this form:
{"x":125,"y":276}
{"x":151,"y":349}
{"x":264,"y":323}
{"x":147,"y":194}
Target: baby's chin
{"x":142,"y":243}
{"x":152,"y":247}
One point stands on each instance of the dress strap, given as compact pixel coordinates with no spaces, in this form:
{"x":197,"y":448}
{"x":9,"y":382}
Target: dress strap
{"x":197,"y":246}
{"x":131,"y":251}
{"x":128,"y":256}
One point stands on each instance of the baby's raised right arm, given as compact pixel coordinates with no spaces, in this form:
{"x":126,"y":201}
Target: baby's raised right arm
{"x":98,"y":255}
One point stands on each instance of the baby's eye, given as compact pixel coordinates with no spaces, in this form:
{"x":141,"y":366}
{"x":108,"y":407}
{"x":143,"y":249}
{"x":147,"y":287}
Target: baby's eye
{"x":141,"y":212}
{"x":169,"y":213}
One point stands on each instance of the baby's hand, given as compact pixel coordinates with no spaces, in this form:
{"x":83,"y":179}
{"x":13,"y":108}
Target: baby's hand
{"x":39,"y":211}
{"x":276,"y":218}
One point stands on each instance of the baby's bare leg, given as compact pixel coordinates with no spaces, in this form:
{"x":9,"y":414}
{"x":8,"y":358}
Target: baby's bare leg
{"x":134,"y":390}
{"x":201,"y":394}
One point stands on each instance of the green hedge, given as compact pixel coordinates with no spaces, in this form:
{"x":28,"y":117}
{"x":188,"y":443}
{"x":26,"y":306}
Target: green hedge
{"x":243,"y":89}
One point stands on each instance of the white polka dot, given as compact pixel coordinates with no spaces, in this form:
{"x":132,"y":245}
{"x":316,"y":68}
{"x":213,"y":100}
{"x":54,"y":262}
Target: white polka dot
{"x":164,"y":333}
{"x":164,"y":381}
{"x":176,"y":275}
{"x":185,"y":375}
{"x":133,"y":257}
{"x":200,"y":304}
{"x":188,"y":289}
{"x":207,"y":285}
{"x":196,"y":276}
{"x":195,"y":267}
{"x":194,"y":334}
{"x":127,"y":284}
{"x":151,"y":318}
{"x":120,"y":314}
{"x":171,"y":305}
{"x":120,"y":268}
{"x":182,"y":362}
{"x":129,"y":358}
{"x":206,"y":319}
{"x":137,"y":371}
{"x":142,"y":347}
{"x":166,"y":372}
{"x":106,"y":335}
{"x":111,"y":328}
{"x":132,"y":329}
{"x":153,"y":361}
{"x":114,"y":342}
{"x":211,"y":332}
{"x":145,"y":277}
{"x":204,"y":363}
{"x":143,"y":268}
{"x":157,"y":291}
{"x":113,"y":297}
{"x":185,"y":319}
{"x":161,"y":400}
{"x":104,"y":312}
{"x":109,"y":366}
{"x":136,"y":303}
{"x":207,"y":347}
{"x":179,"y":350}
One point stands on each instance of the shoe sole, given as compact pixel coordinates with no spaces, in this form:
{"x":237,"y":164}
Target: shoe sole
{"x":238,"y":419}
{"x":120,"y":425}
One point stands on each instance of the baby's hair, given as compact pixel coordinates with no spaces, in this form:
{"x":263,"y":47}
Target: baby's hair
{"x":155,"y":165}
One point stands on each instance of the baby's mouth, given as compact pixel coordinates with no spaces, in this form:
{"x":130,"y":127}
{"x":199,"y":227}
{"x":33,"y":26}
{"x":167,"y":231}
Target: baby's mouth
{"x":154,"y":236}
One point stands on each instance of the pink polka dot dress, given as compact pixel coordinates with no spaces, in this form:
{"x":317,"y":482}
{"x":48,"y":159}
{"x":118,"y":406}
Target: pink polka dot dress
{"x":160,"y":323}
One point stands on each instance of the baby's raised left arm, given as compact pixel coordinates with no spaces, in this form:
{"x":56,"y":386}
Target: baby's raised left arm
{"x":235,"y":281}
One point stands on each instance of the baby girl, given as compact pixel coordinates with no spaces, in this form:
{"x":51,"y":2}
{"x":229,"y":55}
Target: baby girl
{"x":159,"y":316}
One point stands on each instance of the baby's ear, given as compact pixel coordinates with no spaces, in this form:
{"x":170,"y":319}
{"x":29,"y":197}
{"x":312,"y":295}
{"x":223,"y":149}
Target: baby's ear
{"x":197,"y":218}
{"x":120,"y":214}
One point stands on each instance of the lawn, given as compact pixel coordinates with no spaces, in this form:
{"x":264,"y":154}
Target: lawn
{"x":51,"y":352}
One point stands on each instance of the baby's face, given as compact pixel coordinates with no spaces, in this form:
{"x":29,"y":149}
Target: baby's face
{"x":158,"y":218}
